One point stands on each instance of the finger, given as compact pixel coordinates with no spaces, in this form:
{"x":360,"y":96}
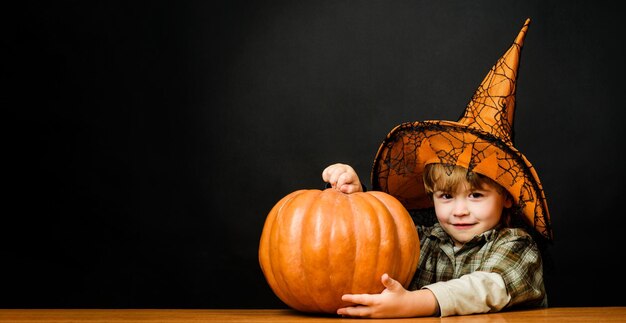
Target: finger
{"x":355,"y":311}
{"x":327,"y":172}
{"x":338,"y":177}
{"x":327,"y":177}
{"x":346,"y":188}
{"x":344,"y":180}
{"x":363,"y":299}
{"x":390,"y":283}
{"x":351,"y":188}
{"x":332,"y":179}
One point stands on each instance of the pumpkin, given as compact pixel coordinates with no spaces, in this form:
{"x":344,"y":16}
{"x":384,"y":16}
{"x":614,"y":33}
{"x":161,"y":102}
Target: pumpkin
{"x":317,"y":245}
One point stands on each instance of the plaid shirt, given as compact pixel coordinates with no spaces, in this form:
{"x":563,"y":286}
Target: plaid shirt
{"x":510,"y":252}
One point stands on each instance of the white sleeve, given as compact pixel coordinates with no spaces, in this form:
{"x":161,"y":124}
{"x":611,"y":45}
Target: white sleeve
{"x":478,"y":292}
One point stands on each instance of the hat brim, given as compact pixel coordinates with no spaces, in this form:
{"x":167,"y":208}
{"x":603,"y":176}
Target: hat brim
{"x":399,"y":165}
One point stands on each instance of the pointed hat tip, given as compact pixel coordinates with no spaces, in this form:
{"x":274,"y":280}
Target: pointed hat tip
{"x":520,"y":37}
{"x":497,"y":91}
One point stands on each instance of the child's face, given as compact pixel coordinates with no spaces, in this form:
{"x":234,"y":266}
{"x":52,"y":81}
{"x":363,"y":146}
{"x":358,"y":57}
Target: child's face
{"x":469,"y":212}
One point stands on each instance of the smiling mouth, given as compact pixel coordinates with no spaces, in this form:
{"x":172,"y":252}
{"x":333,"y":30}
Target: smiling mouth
{"x":463,"y":225}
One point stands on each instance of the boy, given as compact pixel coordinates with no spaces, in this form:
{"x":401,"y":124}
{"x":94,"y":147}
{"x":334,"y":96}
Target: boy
{"x":479,"y":255}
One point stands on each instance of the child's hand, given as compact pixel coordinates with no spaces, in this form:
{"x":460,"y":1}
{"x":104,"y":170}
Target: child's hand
{"x":394,"y":301}
{"x":343,"y":178}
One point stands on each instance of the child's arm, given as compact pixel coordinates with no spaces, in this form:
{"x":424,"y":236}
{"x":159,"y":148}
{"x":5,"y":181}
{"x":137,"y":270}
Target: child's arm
{"x":342,"y":177}
{"x":517,"y":260}
{"x":394,"y":301}
{"x":477,"y":292}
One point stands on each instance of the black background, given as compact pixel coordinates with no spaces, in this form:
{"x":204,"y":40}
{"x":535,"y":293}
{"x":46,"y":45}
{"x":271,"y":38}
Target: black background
{"x":147,"y":141}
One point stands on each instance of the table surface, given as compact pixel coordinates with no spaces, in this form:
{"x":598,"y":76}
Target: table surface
{"x":557,"y":314}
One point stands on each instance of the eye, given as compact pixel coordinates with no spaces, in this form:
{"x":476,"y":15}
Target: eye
{"x":476,"y":195}
{"x":443,"y":195}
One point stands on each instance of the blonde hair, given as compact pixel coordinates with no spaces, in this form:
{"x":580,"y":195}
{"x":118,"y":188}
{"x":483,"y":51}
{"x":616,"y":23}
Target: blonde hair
{"x":446,"y":178}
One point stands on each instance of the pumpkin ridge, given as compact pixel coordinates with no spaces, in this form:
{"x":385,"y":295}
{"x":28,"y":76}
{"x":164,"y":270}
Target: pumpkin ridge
{"x":314,"y":236}
{"x":403,"y":224}
{"x":271,"y":265}
{"x":295,"y":290}
{"x":327,"y":240}
{"x":356,"y":228}
{"x":354,"y":262}
{"x":389,"y":240}
{"x":370,"y":232}
{"x":341,"y":238}
{"x":389,"y":234}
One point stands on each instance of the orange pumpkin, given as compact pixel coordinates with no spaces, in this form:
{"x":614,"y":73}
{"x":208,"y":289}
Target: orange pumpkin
{"x":318,"y":245}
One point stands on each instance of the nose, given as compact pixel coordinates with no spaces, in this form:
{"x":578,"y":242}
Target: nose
{"x":460,"y":208}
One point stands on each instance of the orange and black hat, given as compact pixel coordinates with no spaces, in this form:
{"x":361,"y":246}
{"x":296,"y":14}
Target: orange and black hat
{"x":481,"y":141}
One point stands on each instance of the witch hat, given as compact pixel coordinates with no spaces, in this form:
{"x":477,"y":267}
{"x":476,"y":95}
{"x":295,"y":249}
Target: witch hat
{"x":480,"y":141}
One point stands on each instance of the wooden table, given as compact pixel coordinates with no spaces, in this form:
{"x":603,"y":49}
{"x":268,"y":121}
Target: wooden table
{"x":562,"y":314}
